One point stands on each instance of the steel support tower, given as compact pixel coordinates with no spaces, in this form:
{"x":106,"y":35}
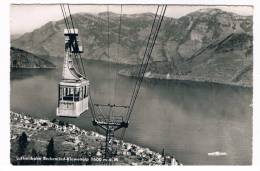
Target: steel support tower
{"x":110,"y":124}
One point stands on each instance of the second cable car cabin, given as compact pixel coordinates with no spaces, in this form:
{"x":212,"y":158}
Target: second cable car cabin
{"x":73,"y":88}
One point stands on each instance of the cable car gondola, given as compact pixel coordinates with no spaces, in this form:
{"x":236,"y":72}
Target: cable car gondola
{"x":73,"y":88}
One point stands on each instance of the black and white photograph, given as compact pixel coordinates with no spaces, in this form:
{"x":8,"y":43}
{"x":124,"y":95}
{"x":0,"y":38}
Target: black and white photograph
{"x":131,"y":84}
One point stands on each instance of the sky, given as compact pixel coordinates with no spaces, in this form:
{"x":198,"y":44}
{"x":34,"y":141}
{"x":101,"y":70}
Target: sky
{"x":26,"y":18}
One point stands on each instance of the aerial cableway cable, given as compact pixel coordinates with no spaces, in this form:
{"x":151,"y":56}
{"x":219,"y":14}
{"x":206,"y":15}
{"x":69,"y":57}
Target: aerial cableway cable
{"x":108,"y":38}
{"x":138,"y":78}
{"x":118,"y":47}
{"x":139,"y":71}
{"x":71,"y":19}
{"x":145,"y":62}
{"x":108,"y":50}
{"x":81,"y":61}
{"x":119,"y":29}
{"x":80,"y":67}
{"x":64,"y":17}
{"x":143,"y":67}
{"x":67,"y":24}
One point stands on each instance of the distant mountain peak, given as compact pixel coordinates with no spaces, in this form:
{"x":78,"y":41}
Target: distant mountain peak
{"x":213,"y":11}
{"x":105,"y":13}
{"x":210,"y":10}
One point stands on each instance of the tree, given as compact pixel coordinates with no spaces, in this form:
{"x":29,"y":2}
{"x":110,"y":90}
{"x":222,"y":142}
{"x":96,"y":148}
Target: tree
{"x":54,"y":120}
{"x":164,"y":158}
{"x":61,"y":123}
{"x":34,"y":153}
{"x":22,"y":144}
{"x":50,"y":149}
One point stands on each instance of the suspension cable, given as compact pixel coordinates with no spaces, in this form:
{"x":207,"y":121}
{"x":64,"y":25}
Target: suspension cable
{"x":144,"y":55}
{"x":108,"y":31}
{"x":146,"y":62}
{"x":71,"y":18}
{"x":118,"y":47}
{"x":143,"y":59}
{"x":64,"y":17}
{"x":139,"y":72}
{"x":69,"y":28}
{"x":65,"y":20}
{"x":108,"y":51}
{"x":144,"y":65}
{"x":119,"y":30}
{"x":78,"y":65}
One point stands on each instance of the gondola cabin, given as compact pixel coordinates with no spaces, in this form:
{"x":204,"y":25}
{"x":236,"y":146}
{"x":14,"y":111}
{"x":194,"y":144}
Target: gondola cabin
{"x":73,"y":88}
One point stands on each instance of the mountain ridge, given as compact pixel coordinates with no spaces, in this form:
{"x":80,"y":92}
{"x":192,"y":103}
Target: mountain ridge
{"x":181,"y":42}
{"x":22,"y":59}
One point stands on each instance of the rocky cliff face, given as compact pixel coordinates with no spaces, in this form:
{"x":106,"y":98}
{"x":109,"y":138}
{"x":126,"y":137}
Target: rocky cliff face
{"x":205,"y":43}
{"x":23,"y":59}
{"x":228,"y":60}
{"x":198,"y":29}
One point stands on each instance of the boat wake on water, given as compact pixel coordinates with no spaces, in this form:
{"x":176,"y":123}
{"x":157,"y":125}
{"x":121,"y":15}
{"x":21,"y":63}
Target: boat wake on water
{"x":217,"y":153}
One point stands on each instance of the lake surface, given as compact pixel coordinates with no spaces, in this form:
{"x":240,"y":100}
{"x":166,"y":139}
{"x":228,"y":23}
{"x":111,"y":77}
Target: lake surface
{"x":188,"y":120}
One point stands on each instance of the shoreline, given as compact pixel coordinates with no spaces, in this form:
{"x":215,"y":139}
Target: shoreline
{"x":153,"y":76}
{"x":13,"y":68}
{"x":71,"y":142}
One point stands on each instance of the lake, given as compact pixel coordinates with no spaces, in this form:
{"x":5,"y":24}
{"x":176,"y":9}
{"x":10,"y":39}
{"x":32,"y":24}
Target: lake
{"x":188,"y":120}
